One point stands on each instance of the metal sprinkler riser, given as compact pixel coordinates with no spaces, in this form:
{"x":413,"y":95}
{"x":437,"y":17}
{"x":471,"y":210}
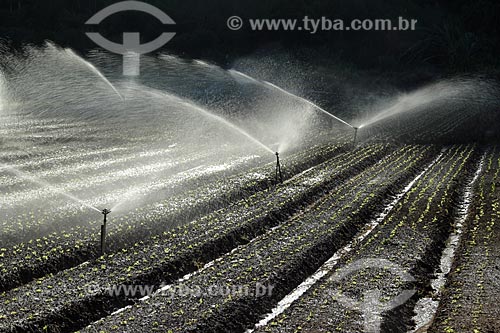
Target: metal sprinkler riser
{"x":105,"y":212}
{"x":355,"y":135}
{"x":279,"y":175}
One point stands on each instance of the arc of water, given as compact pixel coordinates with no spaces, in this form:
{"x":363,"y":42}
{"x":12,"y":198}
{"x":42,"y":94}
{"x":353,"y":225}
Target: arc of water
{"x":94,"y":70}
{"x":383,"y":115}
{"x":45,"y":184}
{"x":215,"y":117}
{"x":308,"y":102}
{"x":243,"y":75}
{"x":273,"y":86}
{"x":468,"y":91}
{"x":230,"y":125}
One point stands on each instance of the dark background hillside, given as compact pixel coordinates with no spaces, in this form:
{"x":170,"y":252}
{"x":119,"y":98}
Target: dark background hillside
{"x":453,"y":36}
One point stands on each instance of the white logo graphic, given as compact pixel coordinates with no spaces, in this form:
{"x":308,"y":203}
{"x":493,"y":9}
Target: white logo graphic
{"x":371,"y":306}
{"x":131,"y":49}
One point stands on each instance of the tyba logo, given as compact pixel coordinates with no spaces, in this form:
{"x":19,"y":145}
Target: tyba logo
{"x":131,"y":49}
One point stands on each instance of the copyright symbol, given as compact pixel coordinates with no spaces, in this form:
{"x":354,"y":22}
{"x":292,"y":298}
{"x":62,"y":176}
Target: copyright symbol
{"x":235,"y":23}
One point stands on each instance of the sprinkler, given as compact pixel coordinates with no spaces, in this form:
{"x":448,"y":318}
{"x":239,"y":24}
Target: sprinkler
{"x":278,"y":169}
{"x":355,"y":135}
{"x":105,"y":212}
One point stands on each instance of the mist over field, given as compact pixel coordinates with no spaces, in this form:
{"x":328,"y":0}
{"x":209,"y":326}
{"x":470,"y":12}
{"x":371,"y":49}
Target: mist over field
{"x":192,"y":172}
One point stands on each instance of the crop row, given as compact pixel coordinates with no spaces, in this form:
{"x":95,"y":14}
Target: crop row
{"x":279,"y":259}
{"x":470,"y":300}
{"x":63,"y":249}
{"x":149,"y":182}
{"x":174,"y":253}
{"x":410,"y":237}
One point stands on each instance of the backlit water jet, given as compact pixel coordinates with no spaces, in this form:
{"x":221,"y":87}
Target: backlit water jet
{"x":44,"y":184}
{"x":275,"y":87}
{"x":237,"y":74}
{"x":317,"y":107}
{"x":457,"y":91}
{"x":212,"y":116}
{"x":94,"y":70}
{"x":229,"y":125}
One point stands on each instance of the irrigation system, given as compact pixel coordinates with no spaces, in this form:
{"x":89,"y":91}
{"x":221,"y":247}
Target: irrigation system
{"x":288,"y":93}
{"x":105,"y":212}
{"x":355,"y":135}
{"x":279,"y":176}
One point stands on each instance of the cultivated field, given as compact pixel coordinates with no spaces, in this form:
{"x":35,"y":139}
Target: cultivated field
{"x":189,"y":221}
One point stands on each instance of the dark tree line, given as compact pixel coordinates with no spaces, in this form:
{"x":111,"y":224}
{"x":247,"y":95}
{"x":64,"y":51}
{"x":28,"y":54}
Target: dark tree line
{"x":453,"y":35}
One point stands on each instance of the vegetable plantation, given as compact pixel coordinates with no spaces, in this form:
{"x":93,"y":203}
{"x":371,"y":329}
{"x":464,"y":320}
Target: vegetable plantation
{"x":289,"y":221}
{"x":230,"y":227}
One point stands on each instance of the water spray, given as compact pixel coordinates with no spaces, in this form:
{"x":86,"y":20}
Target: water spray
{"x":45,"y":184}
{"x":212,"y":116}
{"x":94,"y":70}
{"x":279,"y":176}
{"x":286,"y":92}
{"x":105,"y":212}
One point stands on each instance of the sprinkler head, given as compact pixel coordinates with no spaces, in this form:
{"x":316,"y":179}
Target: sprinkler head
{"x":279,"y":176}
{"x":105,"y":212}
{"x":355,"y":134}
